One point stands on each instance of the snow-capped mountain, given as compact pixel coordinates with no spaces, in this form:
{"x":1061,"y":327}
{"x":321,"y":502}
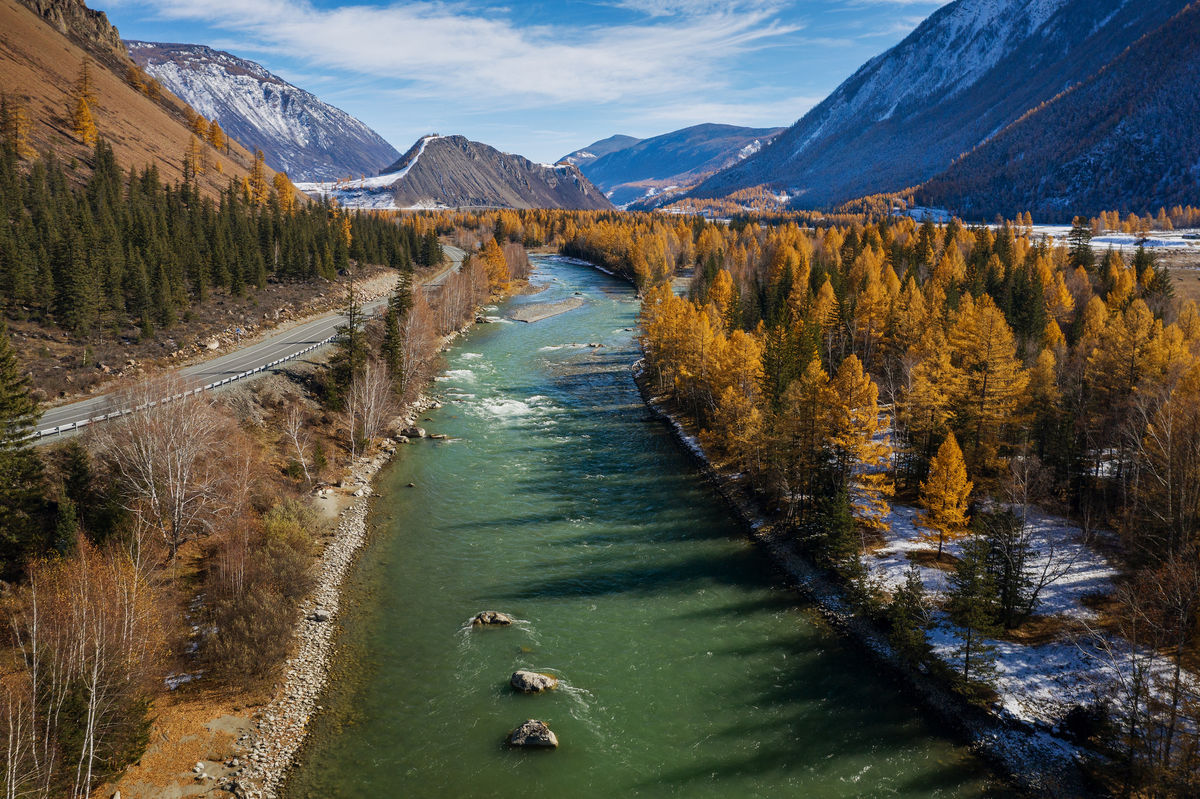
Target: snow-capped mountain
{"x":1128,"y":138}
{"x":668,"y":164}
{"x":297,"y":132}
{"x":454,"y":172}
{"x":968,"y":71}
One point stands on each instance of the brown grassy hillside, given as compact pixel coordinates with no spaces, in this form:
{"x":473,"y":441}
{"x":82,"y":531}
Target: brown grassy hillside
{"x":40,"y":59}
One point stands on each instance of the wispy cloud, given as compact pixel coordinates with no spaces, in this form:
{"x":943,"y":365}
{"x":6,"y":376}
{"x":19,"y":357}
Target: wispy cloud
{"x":441,"y":49}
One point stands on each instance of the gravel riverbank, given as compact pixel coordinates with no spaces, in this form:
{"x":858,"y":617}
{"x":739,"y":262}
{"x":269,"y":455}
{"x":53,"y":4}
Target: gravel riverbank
{"x":544,"y":310}
{"x":281,"y":726}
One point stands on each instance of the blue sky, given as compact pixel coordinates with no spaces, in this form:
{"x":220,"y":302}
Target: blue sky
{"x":543,"y":78}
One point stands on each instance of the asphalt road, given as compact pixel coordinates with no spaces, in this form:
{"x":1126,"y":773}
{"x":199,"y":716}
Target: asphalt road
{"x":252,"y":359}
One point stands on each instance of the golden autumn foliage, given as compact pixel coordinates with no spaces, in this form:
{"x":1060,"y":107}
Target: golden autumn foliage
{"x":945,"y":495}
{"x":284,"y":190}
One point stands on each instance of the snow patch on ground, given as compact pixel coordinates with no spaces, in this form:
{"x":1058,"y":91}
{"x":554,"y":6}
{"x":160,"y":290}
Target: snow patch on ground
{"x":1037,"y":683}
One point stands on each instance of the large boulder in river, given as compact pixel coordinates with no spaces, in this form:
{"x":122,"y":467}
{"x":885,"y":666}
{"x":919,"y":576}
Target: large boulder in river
{"x":533,"y":682}
{"x":533,"y":733}
{"x":413,"y":432}
{"x":489,"y":618}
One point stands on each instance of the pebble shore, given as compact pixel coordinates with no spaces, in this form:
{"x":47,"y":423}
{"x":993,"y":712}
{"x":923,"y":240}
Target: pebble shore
{"x":280,"y":728}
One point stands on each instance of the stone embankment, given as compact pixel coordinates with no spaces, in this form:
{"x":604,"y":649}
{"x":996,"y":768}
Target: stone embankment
{"x":281,"y":726}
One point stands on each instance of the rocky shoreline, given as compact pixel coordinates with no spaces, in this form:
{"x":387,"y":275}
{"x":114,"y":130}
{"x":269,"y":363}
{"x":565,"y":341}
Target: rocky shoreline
{"x":281,"y":727}
{"x":1031,"y":760}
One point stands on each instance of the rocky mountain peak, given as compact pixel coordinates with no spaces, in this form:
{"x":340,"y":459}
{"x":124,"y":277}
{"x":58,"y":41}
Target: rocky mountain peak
{"x":83,"y":25}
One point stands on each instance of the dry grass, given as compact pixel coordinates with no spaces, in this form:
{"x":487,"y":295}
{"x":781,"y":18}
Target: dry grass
{"x":39,"y":65}
{"x":930,"y":560}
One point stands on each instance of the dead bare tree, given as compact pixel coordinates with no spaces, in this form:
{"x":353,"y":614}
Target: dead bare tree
{"x":295,"y":428}
{"x":418,"y":334}
{"x":169,"y":458}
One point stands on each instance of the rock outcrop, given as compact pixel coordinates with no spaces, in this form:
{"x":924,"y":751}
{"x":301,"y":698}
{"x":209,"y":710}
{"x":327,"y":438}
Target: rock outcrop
{"x":491,"y":618}
{"x":532,"y":682}
{"x":534,"y":734}
{"x":83,"y":25}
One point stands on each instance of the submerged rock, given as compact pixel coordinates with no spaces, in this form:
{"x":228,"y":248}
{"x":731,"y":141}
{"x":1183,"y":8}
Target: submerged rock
{"x":491,"y":617}
{"x":532,"y":682}
{"x":533,"y":733}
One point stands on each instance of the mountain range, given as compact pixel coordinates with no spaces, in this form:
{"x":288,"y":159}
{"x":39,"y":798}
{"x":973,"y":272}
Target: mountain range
{"x":629,"y":169}
{"x":454,"y":172}
{"x":968,"y":72}
{"x":297,"y":132}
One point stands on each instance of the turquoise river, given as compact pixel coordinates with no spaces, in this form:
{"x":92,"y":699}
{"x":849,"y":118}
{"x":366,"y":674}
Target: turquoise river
{"x":688,"y":667}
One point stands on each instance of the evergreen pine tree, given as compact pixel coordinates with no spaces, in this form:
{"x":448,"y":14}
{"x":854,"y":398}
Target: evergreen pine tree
{"x":350,"y":354}
{"x":908,"y":615}
{"x":972,"y":607}
{"x":22,"y":487}
{"x":1080,"y":244}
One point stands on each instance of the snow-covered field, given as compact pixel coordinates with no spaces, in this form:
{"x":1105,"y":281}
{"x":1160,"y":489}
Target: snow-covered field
{"x":1156,"y":239}
{"x":1037,"y":683}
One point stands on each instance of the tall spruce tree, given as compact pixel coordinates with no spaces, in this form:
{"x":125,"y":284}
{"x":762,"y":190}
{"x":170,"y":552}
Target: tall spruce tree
{"x":972,"y":607}
{"x":22,"y":483}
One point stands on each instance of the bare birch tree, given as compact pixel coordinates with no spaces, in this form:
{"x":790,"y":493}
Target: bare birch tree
{"x":87,"y":631}
{"x":169,"y":458}
{"x":370,"y":403}
{"x":294,"y":428}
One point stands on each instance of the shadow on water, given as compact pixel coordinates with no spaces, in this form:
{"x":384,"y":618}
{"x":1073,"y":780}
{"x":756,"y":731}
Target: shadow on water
{"x":689,"y":670}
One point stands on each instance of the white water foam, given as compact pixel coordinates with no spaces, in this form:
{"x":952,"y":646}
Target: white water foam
{"x":506,"y":408}
{"x":465,"y":375}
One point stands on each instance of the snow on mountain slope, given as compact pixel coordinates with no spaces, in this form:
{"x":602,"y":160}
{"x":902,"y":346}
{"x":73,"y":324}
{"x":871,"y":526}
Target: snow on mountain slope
{"x":969,"y":70}
{"x":297,"y":132}
{"x":453,"y":172}
{"x":1124,"y":139}
{"x":599,"y":149}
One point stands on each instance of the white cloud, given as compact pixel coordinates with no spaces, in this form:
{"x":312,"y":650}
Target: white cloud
{"x":435,"y":50}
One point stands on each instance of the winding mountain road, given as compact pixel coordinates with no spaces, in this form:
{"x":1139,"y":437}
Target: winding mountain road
{"x":253,"y":359}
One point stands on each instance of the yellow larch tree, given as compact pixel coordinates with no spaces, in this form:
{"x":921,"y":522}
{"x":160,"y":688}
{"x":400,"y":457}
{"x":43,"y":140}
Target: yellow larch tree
{"x":945,"y":496}
{"x":495,"y":266}
{"x":216,"y":136}
{"x":800,"y":433}
{"x":284,"y":190}
{"x":860,"y":443}
{"x":258,"y":189}
{"x":722,"y":294}
{"x":83,"y":121}
{"x":991,"y":379}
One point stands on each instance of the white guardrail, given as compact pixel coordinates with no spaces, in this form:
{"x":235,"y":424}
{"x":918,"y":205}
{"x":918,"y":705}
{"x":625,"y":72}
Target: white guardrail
{"x":71,"y":426}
